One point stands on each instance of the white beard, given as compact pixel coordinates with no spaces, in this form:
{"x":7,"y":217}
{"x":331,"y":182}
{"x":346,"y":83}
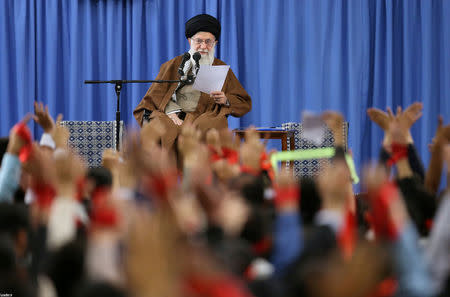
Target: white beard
{"x":207,"y":59}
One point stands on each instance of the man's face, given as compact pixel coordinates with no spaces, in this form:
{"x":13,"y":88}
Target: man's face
{"x":202,"y":42}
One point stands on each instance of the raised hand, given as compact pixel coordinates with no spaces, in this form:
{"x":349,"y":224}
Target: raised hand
{"x":151,"y":134}
{"x":225,"y":170}
{"x":411,"y":114}
{"x":446,"y":153}
{"x":228,"y":141}
{"x":335,"y":186}
{"x":434,"y":171}
{"x":69,"y":169}
{"x":442,"y":135}
{"x":398,"y":130}
{"x":41,"y":166}
{"x":408,"y":117}
{"x":379,"y":117}
{"x":334,"y":121}
{"x":213,"y":140}
{"x":111,"y":161}
{"x":151,"y":269}
{"x":446,"y":156}
{"x":251,"y":150}
{"x":60,"y":134}
{"x":405,"y":118}
{"x":189,"y":144}
{"x":43,"y":118}
{"x":287,"y":192}
{"x":133,"y":166}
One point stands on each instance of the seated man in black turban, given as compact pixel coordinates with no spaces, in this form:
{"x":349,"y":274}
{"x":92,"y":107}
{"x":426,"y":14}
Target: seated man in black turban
{"x":174,"y":105}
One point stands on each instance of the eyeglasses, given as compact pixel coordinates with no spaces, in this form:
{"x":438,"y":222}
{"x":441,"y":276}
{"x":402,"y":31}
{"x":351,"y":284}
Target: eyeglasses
{"x":208,"y":42}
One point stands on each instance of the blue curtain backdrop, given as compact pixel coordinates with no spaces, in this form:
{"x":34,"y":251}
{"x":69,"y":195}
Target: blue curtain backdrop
{"x":290,"y":55}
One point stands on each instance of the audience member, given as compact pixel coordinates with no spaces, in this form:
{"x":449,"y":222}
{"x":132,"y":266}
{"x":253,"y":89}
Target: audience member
{"x":218,"y":221}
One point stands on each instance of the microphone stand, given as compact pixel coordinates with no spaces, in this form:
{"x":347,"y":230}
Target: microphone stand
{"x":118,"y":87}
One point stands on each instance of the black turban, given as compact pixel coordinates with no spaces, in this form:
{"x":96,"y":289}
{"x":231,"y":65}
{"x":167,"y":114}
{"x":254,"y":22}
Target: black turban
{"x":202,"y":23}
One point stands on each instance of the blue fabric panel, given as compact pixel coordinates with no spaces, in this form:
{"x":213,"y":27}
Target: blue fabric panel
{"x":290,"y":55}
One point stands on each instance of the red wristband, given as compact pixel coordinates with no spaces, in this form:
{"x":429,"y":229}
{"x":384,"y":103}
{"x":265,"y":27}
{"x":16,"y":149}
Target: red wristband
{"x":285,"y":195}
{"x":161,"y":184}
{"x":250,"y":170}
{"x":214,"y":155}
{"x":399,"y":151}
{"x":231,"y":155}
{"x":24,"y":132}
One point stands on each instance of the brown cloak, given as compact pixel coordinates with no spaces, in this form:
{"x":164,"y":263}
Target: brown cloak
{"x":207,"y":115}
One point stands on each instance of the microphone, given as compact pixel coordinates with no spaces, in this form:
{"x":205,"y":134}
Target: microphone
{"x":186,"y":58}
{"x":191,"y":77}
{"x":197,"y":56}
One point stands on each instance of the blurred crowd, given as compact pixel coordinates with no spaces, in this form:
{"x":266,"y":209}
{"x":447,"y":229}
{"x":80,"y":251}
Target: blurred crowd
{"x":214,"y":219}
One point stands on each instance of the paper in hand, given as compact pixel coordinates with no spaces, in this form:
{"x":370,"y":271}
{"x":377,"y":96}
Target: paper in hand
{"x":210,"y":78}
{"x":313,"y":128}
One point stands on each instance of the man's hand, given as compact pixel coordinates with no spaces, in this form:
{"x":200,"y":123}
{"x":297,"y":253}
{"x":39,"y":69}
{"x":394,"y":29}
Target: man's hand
{"x":379,"y":117}
{"x":43,"y":118}
{"x":219,"y":97}
{"x":175,"y":119}
{"x":334,"y":121}
{"x":408,"y":117}
{"x":251,"y":150}
{"x":152,"y":239}
{"x":335,"y":186}
{"x":110,"y":160}
{"x":69,"y":169}
{"x":151,"y":134}
{"x":224,"y":170}
{"x":398,"y":131}
{"x":446,"y":153}
{"x":287,"y":192}
{"x":411,"y":114}
{"x":60,"y":134}
{"x":189,"y":145}
{"x":213,"y":139}
{"x":228,"y":140}
{"x":41,"y":166}
{"x":442,"y":135}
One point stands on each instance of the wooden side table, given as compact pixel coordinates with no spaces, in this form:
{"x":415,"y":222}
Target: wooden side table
{"x":273,"y":134}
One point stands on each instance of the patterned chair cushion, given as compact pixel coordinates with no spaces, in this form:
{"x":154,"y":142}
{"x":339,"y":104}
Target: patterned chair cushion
{"x":311,"y":167}
{"x":91,"y":138}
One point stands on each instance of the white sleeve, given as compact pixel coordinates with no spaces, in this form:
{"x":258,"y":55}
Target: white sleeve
{"x":47,"y":140}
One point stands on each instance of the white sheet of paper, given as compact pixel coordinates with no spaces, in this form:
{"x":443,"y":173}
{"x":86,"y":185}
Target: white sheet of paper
{"x":210,"y":78}
{"x":313,"y":128}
